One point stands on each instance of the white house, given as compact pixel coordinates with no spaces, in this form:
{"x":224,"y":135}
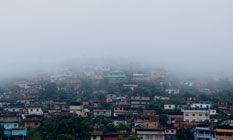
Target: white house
{"x":213,"y":112}
{"x":201,"y":105}
{"x":172,"y":91}
{"x":35,"y":110}
{"x":169,"y":106}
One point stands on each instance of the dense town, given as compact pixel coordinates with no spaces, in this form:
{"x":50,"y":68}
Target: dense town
{"x":116,"y":103}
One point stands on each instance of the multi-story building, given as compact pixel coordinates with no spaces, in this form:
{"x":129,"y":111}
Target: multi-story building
{"x":102,"y":112}
{"x":196,"y":114}
{"x":202,"y":131}
{"x":77,"y":108}
{"x":169,"y":106}
{"x":150,"y":134}
{"x":35,"y":110}
{"x":117,"y":76}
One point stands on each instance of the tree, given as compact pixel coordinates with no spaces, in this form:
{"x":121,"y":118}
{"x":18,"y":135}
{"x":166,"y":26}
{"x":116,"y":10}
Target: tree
{"x":133,"y":137}
{"x":33,"y":134}
{"x":71,"y":127}
{"x":50,"y":91}
{"x":65,"y":137}
{"x":163,"y":118}
{"x":2,"y":135}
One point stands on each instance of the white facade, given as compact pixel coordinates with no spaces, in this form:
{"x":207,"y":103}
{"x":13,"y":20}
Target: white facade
{"x":196,"y":114}
{"x":35,"y":110}
{"x":172,"y":91}
{"x":169,"y":107}
{"x":213,"y":112}
{"x":198,"y":105}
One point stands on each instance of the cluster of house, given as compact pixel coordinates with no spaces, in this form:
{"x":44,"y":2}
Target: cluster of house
{"x":17,"y":117}
{"x":133,"y":111}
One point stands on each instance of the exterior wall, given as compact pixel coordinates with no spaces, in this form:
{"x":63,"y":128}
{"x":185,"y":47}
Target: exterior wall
{"x":213,"y":112}
{"x":35,"y":111}
{"x":152,"y":135}
{"x":196,"y":115}
{"x":197,"y":105}
{"x":16,"y":132}
{"x":169,"y":107}
{"x":32,"y":124}
{"x":9,"y":125}
{"x":223,"y":134}
{"x":202,"y":133}
{"x":95,"y":137}
{"x":106,"y":113}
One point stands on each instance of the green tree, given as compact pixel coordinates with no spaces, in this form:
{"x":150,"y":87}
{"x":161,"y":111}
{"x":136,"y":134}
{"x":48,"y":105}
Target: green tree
{"x":77,"y":127}
{"x":2,"y":135}
{"x":163,"y":118}
{"x":33,"y":134}
{"x":65,"y":137}
{"x":133,"y":137}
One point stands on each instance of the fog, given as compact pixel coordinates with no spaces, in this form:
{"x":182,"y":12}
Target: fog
{"x":190,"y":36}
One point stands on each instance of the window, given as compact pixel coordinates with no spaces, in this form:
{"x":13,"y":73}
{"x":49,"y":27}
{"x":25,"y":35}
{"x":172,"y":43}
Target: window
{"x":200,"y":114}
{"x":193,"y":114}
{"x":31,"y":109}
{"x":36,"y":123}
{"x":206,"y":114}
{"x":37,"y":110}
{"x":94,"y":137}
{"x":186,"y":114}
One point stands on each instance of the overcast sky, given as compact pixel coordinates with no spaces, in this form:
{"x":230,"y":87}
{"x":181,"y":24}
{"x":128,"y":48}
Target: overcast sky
{"x":182,"y":35}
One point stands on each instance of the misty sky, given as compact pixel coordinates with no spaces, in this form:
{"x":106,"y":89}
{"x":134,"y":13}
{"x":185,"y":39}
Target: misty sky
{"x":183,"y":35}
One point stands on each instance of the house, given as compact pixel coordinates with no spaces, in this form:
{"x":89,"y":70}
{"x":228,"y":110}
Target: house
{"x":77,"y":108}
{"x":109,"y":98}
{"x":146,"y":123}
{"x":201,"y":105}
{"x":172,"y":91}
{"x":148,"y":113}
{"x":140,"y":77}
{"x":35,"y":110}
{"x":16,"y":133}
{"x":130,"y":86}
{"x":224,"y":130}
{"x":175,"y":117}
{"x":222,"y":105}
{"x":152,"y":134}
{"x":119,"y":111}
{"x":114,"y":136}
{"x":97,"y":135}
{"x":102,"y":112}
{"x":33,"y":121}
{"x":223,"y":133}
{"x":11,"y":126}
{"x":15,"y":108}
{"x":161,"y":98}
{"x":117,"y":76}
{"x":139,"y":100}
{"x":190,"y":100}
{"x":169,"y":106}
{"x":170,"y":133}
{"x":58,"y":106}
{"x":196,"y":114}
{"x":202,"y":131}
{"x":213,"y":112}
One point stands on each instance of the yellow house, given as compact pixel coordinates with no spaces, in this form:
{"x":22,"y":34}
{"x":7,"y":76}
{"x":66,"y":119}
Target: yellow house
{"x":96,"y":135}
{"x":77,"y":108}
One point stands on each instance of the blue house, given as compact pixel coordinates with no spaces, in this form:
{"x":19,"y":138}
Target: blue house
{"x":202,"y":131}
{"x":11,"y":126}
{"x":15,"y":132}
